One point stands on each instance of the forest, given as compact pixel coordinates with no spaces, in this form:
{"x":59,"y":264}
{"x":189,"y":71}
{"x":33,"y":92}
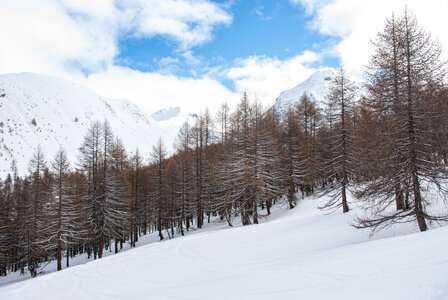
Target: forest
{"x":385,"y":141}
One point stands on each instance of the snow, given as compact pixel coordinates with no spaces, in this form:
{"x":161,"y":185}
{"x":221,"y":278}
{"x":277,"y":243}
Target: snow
{"x":166,"y":113}
{"x":62,"y":112}
{"x":294,"y":254}
{"x":317,"y":85}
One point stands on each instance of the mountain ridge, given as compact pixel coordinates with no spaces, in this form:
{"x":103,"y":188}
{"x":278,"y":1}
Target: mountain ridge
{"x":44,"y":110}
{"x":317,"y":85}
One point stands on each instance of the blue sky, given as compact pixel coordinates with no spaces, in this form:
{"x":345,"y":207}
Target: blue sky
{"x":259,"y":28}
{"x":197,"y":53}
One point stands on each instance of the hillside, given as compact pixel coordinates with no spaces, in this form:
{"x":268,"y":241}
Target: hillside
{"x":39,"y":109}
{"x":295,"y":254}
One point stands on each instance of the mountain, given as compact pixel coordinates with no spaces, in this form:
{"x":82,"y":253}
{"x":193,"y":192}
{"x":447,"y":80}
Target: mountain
{"x":166,"y":113}
{"x":38,"y":109}
{"x":317,"y":85}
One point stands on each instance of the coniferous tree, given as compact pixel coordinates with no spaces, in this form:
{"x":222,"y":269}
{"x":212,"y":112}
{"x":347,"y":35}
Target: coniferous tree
{"x":238,"y":177}
{"x":90,"y":165}
{"x":64,"y":217}
{"x":309,"y":120}
{"x":6,"y":217}
{"x":264,"y":161}
{"x":138,"y":209}
{"x":294,"y":175}
{"x":222,"y":119}
{"x":34,"y":221}
{"x":405,"y":75}
{"x":201,"y":138}
{"x":185,"y":176}
{"x":173,"y":210}
{"x":77,"y":210}
{"x":340,"y":167}
{"x":113,"y":206}
{"x":159,"y":155}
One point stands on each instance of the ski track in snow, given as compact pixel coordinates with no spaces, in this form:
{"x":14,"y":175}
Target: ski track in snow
{"x":294,"y":254}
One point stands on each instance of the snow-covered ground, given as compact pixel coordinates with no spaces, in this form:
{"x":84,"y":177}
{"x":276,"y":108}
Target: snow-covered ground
{"x":294,"y":254}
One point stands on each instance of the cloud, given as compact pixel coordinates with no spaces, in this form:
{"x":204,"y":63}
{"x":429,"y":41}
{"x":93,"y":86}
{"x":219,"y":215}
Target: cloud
{"x":79,"y":40}
{"x":259,"y":12}
{"x":66,"y":36}
{"x":188,"y":23}
{"x":44,"y":36}
{"x":310,"y":5}
{"x":261,"y":76}
{"x":267,"y":77}
{"x":154,"y":91}
{"x":357,"y":22}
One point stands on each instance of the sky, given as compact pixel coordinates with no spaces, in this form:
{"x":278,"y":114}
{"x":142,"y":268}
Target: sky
{"x":197,"y":53}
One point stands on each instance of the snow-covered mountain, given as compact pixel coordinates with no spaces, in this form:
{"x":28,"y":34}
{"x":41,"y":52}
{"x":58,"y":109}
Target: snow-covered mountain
{"x":39,"y":109}
{"x":166,"y":113}
{"x":317,"y":85}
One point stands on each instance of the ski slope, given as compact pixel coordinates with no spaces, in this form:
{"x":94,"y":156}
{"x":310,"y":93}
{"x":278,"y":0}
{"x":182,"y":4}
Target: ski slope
{"x":295,"y":254}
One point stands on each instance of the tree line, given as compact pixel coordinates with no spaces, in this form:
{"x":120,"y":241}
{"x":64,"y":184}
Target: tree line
{"x":386,"y":145}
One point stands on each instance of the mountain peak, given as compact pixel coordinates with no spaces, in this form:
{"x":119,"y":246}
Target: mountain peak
{"x":166,"y":113}
{"x":317,"y":86}
{"x":52,"y":112}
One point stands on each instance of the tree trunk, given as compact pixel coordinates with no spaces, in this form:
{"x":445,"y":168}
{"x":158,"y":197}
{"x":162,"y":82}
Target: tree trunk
{"x":345,"y":207}
{"x":399,"y":201}
{"x":59,"y":255}
{"x":255,"y":213}
{"x":418,"y":204}
{"x":68,"y":256}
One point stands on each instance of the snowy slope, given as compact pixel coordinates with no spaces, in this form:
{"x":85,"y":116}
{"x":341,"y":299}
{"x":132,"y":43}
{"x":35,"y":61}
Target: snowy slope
{"x":297,"y":254}
{"x":317,"y":85}
{"x":38,"y":109}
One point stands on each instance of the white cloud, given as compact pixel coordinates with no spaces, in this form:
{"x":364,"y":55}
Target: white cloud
{"x":262,"y":76}
{"x":190,"y":58}
{"x":100,"y":9}
{"x":268,"y":77}
{"x":357,"y":22}
{"x":67,"y":37}
{"x":310,"y":5}
{"x":189,"y":23}
{"x":259,"y":12}
{"x":41,"y":36}
{"x":167,"y":64}
{"x":154,"y":91}
{"x":59,"y":37}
